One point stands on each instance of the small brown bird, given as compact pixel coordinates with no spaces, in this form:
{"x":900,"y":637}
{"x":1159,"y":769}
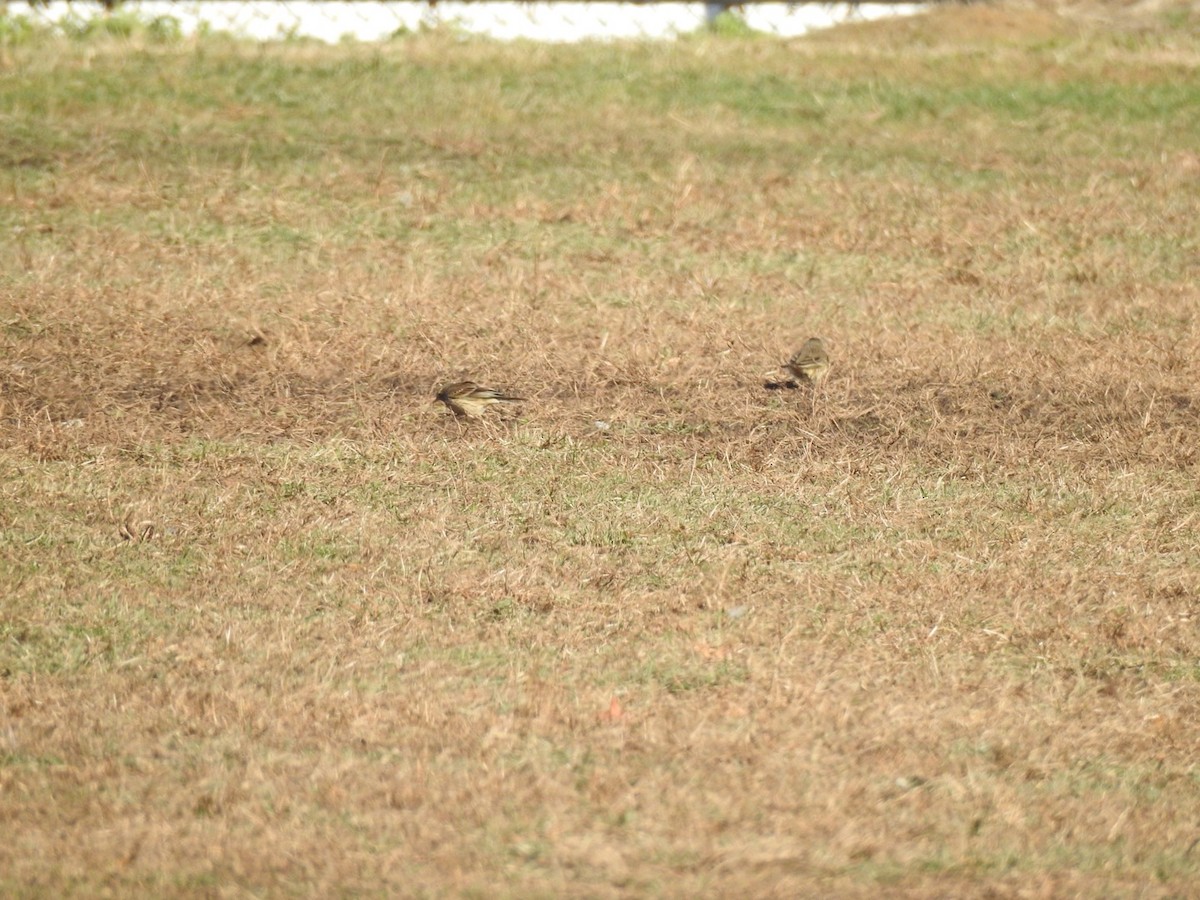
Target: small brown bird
{"x":810,"y":363}
{"x":466,"y":399}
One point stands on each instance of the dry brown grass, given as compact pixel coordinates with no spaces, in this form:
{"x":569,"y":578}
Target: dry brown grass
{"x":275,"y":624}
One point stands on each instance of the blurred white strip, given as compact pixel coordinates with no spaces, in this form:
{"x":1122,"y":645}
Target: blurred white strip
{"x":559,"y":22}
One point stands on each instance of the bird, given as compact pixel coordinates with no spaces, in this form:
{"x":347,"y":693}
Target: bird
{"x":810,"y":363}
{"x":467,"y":400}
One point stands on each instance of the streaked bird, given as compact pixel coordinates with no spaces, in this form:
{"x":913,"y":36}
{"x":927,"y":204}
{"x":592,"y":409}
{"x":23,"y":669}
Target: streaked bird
{"x":466,"y":399}
{"x":810,"y":363}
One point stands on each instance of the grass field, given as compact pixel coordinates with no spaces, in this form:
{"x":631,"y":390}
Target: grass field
{"x":274,"y":624}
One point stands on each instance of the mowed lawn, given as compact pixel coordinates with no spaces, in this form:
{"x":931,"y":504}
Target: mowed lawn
{"x":274,"y":624}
